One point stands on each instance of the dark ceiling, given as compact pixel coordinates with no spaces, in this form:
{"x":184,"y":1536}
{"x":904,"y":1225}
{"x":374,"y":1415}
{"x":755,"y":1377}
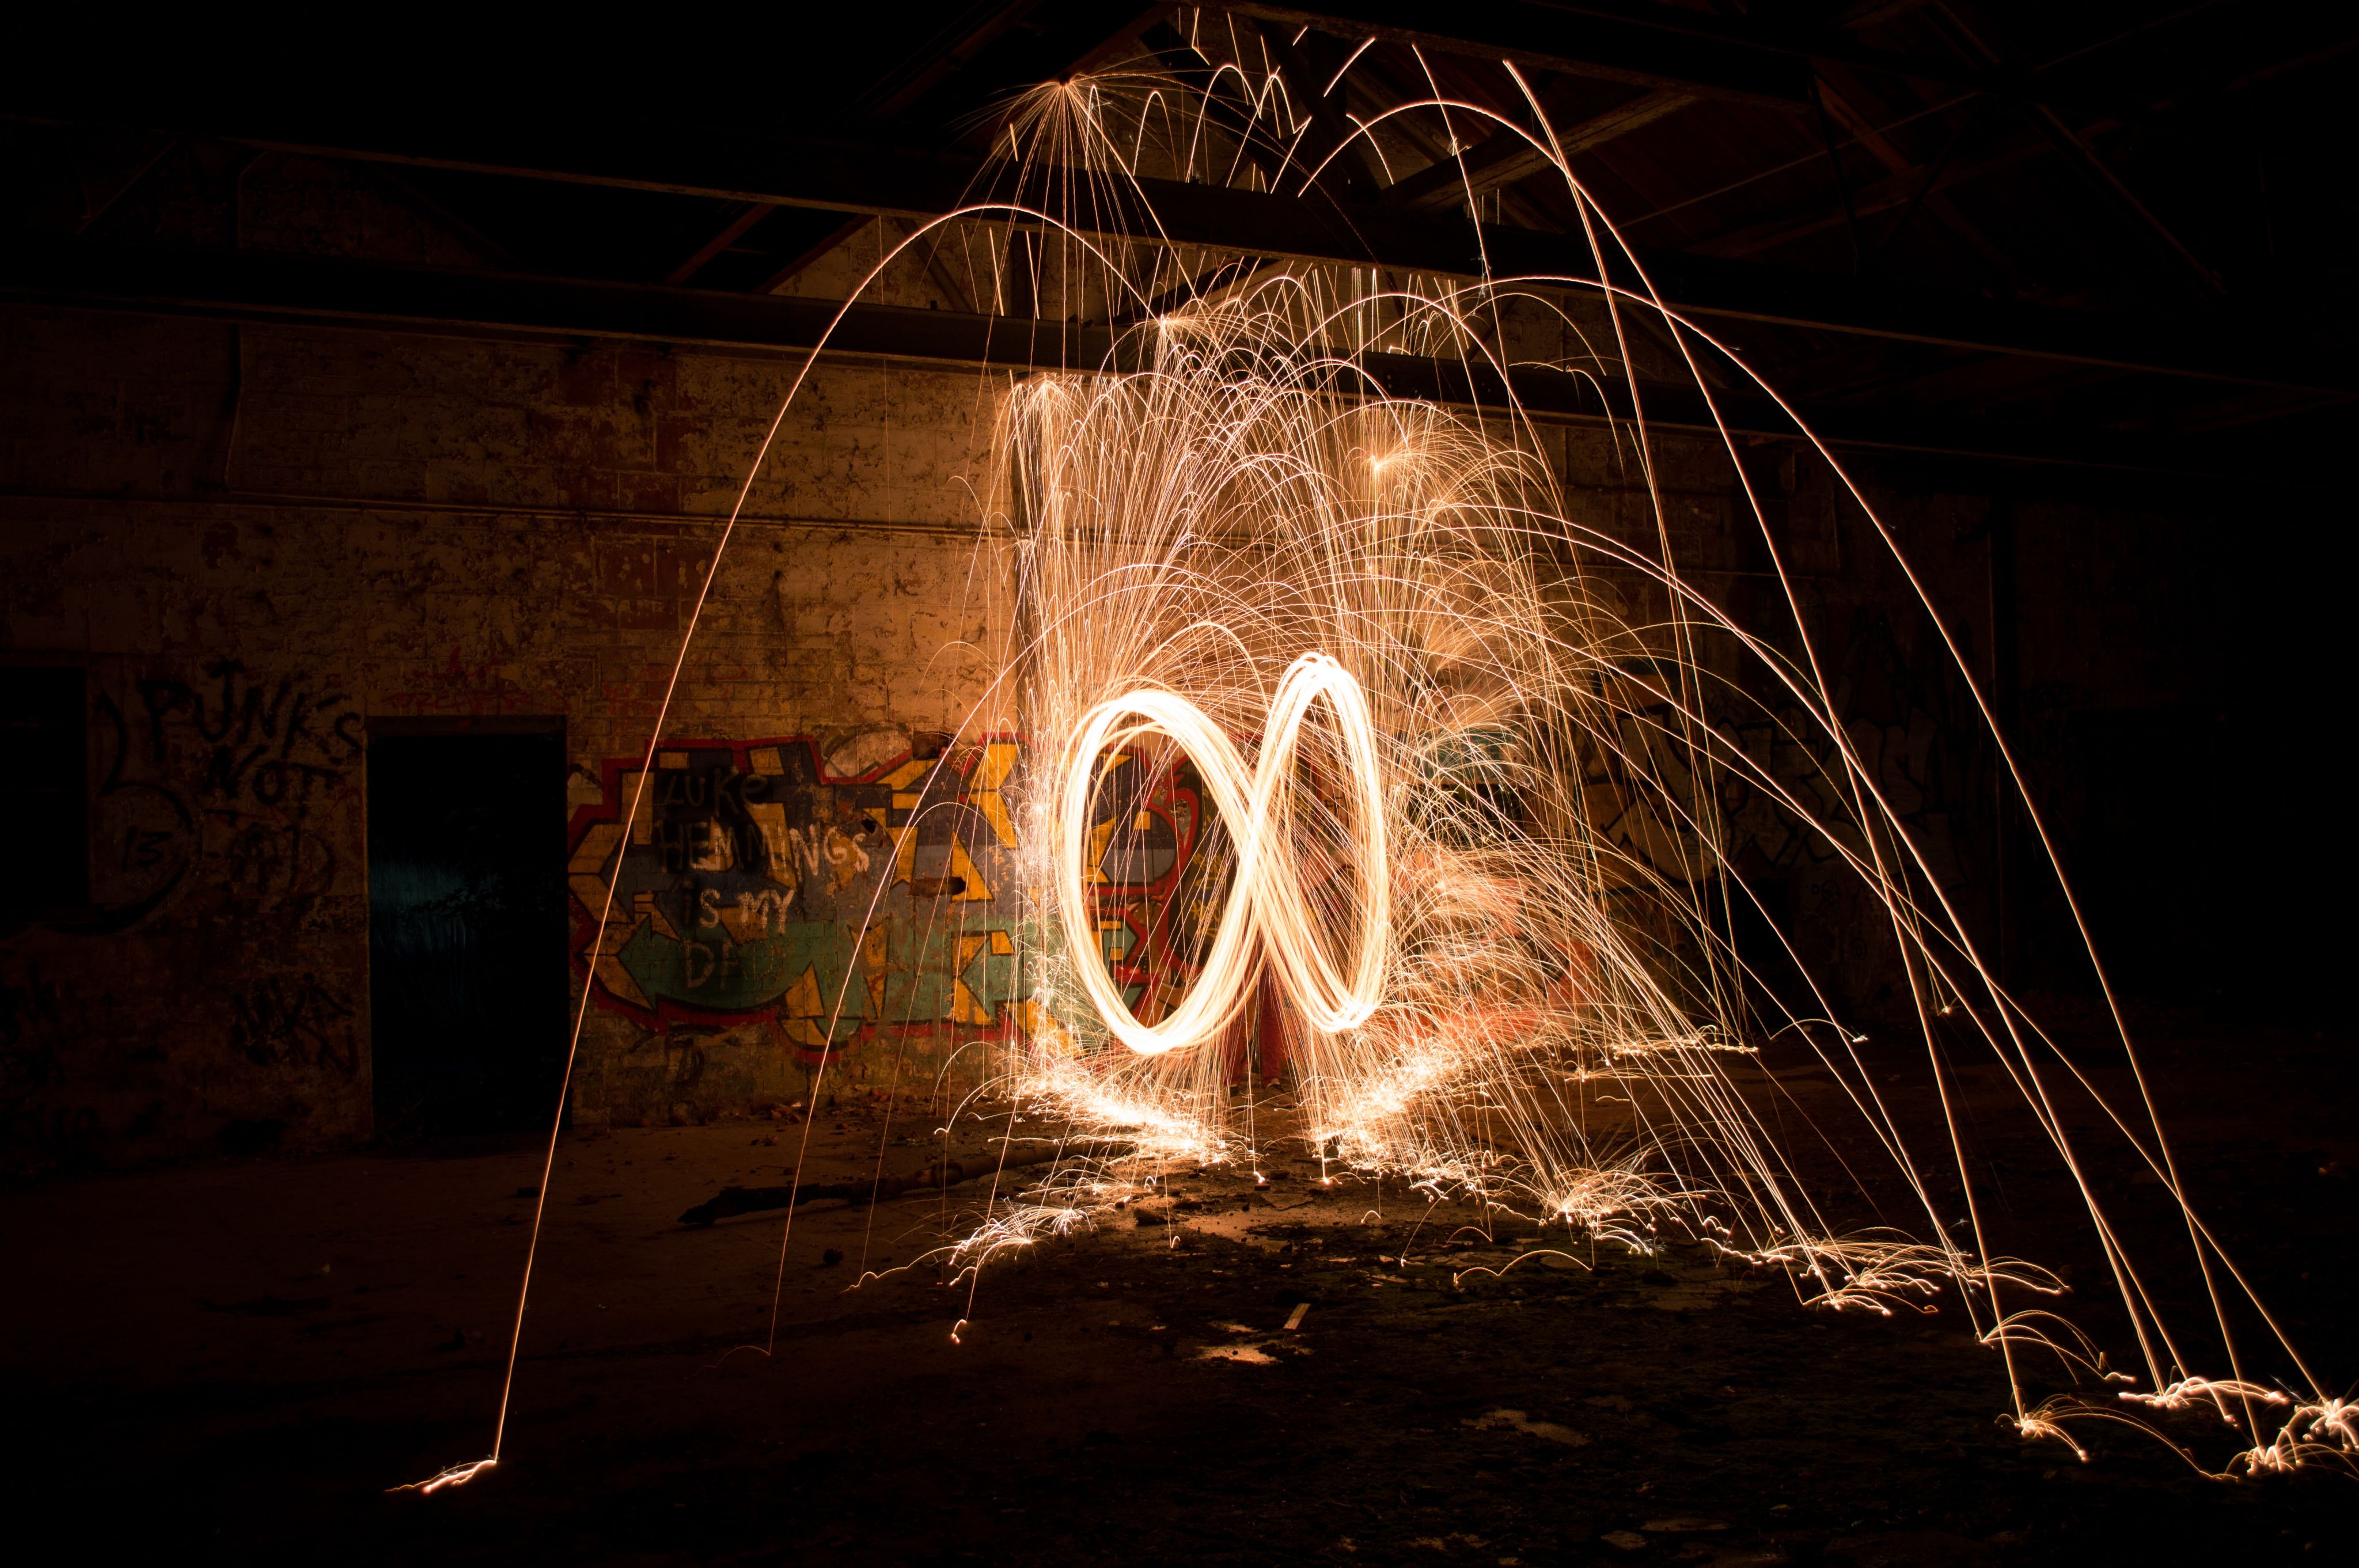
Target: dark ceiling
{"x":2111,"y":237}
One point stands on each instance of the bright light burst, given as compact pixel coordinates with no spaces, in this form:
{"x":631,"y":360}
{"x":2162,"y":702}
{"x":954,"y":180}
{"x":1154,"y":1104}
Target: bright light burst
{"x":1229,"y":519}
{"x":1373,"y":634}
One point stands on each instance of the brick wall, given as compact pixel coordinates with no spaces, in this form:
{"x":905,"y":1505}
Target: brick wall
{"x":260,"y":541}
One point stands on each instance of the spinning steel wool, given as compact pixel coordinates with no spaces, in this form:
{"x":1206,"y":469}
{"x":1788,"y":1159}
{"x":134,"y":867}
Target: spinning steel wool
{"x":1457,"y":759}
{"x":1265,"y":896}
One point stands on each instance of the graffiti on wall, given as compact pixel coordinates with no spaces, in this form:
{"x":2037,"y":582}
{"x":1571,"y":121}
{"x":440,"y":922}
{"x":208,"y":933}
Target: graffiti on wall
{"x":216,"y":780}
{"x":226,"y":831}
{"x":752,"y":884}
{"x":294,"y":1018}
{"x":1159,"y":877}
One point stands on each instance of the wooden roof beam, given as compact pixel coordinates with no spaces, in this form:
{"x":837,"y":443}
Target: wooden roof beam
{"x":277,"y":286}
{"x":893,"y":182}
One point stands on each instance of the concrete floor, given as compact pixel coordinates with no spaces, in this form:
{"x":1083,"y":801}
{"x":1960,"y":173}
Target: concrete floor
{"x":234,"y":1359}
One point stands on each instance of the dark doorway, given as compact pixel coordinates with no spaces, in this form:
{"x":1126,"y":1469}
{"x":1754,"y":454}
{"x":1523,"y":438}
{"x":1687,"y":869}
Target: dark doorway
{"x":467,"y":960}
{"x":44,"y":793}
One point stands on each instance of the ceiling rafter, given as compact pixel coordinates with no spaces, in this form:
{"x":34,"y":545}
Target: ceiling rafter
{"x":1315,"y":95}
{"x":941,"y":57}
{"x":898,"y":91}
{"x":887,"y":182}
{"x":1848,"y":106}
{"x":1735,"y":59}
{"x":1868,"y":200}
{"x":1505,"y":158}
{"x":1556,"y":41}
{"x":2082,"y":158}
{"x":734,"y":230}
{"x":303,"y":290}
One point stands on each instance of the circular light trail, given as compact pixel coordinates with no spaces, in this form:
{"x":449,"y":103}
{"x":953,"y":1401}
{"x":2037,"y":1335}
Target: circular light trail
{"x":1267,"y":912}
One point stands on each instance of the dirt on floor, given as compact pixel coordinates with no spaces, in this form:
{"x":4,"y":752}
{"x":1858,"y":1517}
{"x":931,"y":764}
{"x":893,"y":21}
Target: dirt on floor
{"x":236,"y":1360}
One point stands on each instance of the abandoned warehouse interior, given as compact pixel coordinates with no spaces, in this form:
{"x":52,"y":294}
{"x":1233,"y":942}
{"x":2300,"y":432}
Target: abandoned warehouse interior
{"x":398,"y":884}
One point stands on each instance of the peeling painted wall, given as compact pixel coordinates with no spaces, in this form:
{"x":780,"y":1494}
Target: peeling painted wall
{"x":418,"y":530}
{"x":776,"y":907}
{"x":259,"y":541}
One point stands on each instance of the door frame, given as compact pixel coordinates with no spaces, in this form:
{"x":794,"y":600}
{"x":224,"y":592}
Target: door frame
{"x":402,"y":726}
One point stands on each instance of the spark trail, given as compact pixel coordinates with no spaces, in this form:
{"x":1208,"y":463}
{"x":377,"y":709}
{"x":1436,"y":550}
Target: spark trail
{"x":1465,"y":748}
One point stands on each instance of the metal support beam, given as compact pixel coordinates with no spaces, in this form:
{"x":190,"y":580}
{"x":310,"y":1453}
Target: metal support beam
{"x":1331,"y":138}
{"x":296,"y":289}
{"x":894,"y":182}
{"x":1674,"y":47}
{"x":1545,"y":39}
{"x":747,"y":216}
{"x":1502,"y":159}
{"x":2084,"y":161}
